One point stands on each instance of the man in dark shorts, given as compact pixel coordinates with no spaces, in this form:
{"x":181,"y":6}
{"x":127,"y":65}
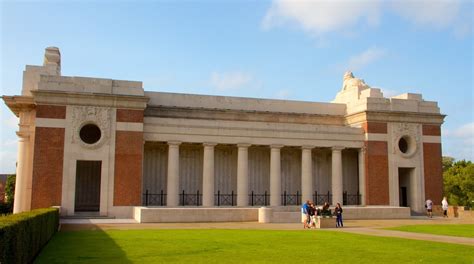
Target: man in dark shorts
{"x":429,"y":208}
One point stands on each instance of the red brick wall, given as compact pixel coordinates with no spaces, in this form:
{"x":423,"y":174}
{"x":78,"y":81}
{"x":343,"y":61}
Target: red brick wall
{"x":51,"y":111}
{"x":128,"y":168}
{"x":47,"y":167}
{"x":431,"y":130}
{"x":433,"y":172}
{"x":375,"y":127}
{"x":127,"y":115}
{"x":376,"y":173}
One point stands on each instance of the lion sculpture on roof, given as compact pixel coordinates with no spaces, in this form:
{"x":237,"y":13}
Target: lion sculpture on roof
{"x":350,"y":82}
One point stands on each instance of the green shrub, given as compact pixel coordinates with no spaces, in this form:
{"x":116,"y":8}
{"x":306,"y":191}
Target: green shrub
{"x":6,"y":208}
{"x":23,"y":235}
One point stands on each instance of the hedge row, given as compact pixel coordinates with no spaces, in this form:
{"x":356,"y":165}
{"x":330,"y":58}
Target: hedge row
{"x":22,"y":236}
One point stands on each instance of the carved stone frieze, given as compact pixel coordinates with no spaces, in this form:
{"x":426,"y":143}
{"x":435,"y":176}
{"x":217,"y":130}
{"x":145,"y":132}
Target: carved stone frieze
{"x":411,"y":133}
{"x":100,"y":116}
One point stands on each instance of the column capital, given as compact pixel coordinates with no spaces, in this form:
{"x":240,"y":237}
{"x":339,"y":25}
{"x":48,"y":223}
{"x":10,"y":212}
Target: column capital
{"x":23,"y":135}
{"x":309,"y":147}
{"x":209,"y":144}
{"x":276,"y":146}
{"x":337,"y":148}
{"x":362,"y":149}
{"x":174,"y":143}
{"x":243,"y":145}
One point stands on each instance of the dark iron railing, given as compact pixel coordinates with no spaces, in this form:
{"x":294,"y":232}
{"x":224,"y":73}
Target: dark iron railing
{"x":351,"y":199}
{"x":259,"y":199}
{"x":159,"y":199}
{"x":225,"y":199}
{"x":320,"y":199}
{"x":154,"y":199}
{"x":190,"y":198}
{"x":291,"y":199}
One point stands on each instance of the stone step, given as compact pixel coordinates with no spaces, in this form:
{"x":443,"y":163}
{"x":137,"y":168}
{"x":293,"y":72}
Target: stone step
{"x":286,"y":217}
{"x":87,"y":217}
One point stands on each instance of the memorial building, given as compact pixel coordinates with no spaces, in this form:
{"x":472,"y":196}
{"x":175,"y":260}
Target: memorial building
{"x":109,"y":148}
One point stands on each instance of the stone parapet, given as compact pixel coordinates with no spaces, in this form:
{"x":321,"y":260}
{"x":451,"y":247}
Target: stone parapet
{"x":193,"y":215}
{"x":89,"y":85}
{"x":245,"y":104}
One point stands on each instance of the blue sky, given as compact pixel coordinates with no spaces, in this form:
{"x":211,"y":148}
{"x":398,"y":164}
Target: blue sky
{"x":296,"y":50}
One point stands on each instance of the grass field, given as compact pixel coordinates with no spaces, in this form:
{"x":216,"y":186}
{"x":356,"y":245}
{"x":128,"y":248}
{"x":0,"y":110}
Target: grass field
{"x":244,"y":246}
{"x":446,"y":230}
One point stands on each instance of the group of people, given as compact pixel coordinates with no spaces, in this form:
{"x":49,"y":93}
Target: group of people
{"x":309,"y":213}
{"x":429,"y":207}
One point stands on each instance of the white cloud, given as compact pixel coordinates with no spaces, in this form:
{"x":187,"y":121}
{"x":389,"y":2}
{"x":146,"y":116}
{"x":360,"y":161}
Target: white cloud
{"x":319,"y":17}
{"x":465,"y":131}
{"x":11,"y":122}
{"x":227,"y":81}
{"x":459,"y":142}
{"x":389,"y":93}
{"x":322,"y":16}
{"x":437,"y":13}
{"x":7,"y":162}
{"x":364,"y":58}
{"x":282,"y":94}
{"x":9,"y":142}
{"x":8,"y":154}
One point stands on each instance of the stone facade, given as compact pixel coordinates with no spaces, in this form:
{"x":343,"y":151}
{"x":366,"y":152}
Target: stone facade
{"x":165,"y":149}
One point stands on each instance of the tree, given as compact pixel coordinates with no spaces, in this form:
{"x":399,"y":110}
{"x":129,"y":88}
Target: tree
{"x":10,"y":188}
{"x":447,"y":163}
{"x":458,"y":180}
{"x":7,"y":207}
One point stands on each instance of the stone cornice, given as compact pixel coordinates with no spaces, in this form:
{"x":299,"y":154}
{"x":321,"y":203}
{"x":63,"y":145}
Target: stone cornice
{"x":19,"y":103}
{"x":92,"y":99}
{"x":392,"y":116}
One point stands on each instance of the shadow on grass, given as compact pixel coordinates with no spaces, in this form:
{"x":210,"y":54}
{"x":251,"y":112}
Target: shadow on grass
{"x":91,"y":246}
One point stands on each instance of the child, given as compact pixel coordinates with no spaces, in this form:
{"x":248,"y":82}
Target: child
{"x":338,"y":213}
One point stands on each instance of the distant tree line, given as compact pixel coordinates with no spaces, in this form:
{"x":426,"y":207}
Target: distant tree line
{"x":458,"y":177}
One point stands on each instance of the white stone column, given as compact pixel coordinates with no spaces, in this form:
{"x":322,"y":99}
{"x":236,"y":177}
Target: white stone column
{"x":306,"y":173}
{"x":337,"y":175}
{"x":243,"y":175}
{"x":362,"y":175}
{"x":20,"y":181}
{"x":208,"y":175}
{"x":275,"y":175}
{"x":172,"y":190}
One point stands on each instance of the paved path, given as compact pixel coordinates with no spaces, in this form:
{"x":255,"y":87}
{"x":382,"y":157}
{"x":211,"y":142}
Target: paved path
{"x":408,"y":235}
{"x":365,"y":227}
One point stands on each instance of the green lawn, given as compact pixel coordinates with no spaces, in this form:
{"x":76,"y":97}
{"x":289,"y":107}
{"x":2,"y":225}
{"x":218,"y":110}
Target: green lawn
{"x":446,"y":230}
{"x":243,"y":246}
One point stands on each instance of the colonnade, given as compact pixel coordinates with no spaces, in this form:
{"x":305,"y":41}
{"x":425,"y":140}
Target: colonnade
{"x":243,"y":175}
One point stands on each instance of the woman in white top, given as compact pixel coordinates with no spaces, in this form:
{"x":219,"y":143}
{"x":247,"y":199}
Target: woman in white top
{"x":444,"y":204}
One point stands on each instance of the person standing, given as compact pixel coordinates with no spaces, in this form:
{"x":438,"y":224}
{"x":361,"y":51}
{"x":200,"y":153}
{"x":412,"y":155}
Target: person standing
{"x":338,"y":213}
{"x":312,"y":215}
{"x":445,"y":205}
{"x":429,"y":208}
{"x":305,"y":213}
